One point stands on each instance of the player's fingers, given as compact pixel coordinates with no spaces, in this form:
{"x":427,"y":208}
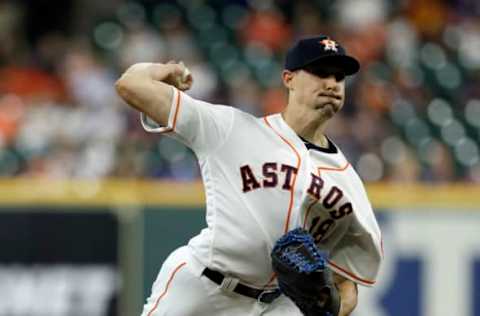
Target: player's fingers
{"x":175,"y":72}
{"x":179,"y":75}
{"x":186,"y":83}
{"x":179,"y":68}
{"x":184,"y":79}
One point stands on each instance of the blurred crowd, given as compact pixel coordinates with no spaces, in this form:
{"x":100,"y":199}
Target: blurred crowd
{"x":412,"y":113}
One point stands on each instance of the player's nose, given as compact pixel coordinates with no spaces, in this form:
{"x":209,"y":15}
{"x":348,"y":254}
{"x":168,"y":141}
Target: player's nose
{"x":330,"y":83}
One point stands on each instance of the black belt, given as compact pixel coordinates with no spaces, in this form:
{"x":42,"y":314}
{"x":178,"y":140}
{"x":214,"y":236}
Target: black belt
{"x":264,"y":296}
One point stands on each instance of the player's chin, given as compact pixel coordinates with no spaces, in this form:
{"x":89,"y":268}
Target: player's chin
{"x":328,"y":108}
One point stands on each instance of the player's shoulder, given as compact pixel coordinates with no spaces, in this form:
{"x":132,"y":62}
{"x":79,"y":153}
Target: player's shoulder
{"x":219,"y":106}
{"x":239,"y":118}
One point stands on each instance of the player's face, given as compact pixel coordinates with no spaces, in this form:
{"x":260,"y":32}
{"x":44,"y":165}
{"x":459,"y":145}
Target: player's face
{"x":319,"y":92}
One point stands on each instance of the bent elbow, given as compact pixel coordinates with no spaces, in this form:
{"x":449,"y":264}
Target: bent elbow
{"x":145,"y":95}
{"x":130,"y":91}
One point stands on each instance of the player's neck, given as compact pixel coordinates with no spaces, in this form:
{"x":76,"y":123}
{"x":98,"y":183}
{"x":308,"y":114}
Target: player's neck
{"x":309,"y":130}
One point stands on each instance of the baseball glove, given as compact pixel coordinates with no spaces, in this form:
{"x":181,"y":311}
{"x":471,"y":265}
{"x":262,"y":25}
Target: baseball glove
{"x":303,"y":274}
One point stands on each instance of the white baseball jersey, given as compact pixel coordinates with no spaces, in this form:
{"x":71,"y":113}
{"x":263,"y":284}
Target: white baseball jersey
{"x":262,"y":180}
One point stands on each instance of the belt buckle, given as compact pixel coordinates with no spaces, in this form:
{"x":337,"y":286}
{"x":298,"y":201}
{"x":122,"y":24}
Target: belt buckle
{"x":268,"y":296}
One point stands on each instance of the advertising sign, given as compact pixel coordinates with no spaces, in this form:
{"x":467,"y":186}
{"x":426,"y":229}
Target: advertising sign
{"x":58,"y":263}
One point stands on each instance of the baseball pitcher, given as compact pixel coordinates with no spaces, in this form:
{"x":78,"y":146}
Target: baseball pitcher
{"x":290,"y":230}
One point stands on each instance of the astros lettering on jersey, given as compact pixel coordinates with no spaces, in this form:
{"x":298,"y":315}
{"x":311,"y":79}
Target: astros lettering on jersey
{"x":261,"y":180}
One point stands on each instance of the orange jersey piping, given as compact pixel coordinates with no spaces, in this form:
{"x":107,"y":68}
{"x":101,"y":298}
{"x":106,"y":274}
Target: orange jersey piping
{"x":350,"y":273}
{"x":292,"y":191}
{"x":177,"y":107}
{"x":334,"y":169}
{"x":166,"y":287}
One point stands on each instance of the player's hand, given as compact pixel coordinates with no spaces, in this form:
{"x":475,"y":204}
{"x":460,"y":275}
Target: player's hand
{"x":180,"y":76}
{"x":171,"y":73}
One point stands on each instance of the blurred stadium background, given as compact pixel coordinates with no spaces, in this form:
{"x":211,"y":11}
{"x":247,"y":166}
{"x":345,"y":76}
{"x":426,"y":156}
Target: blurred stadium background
{"x":90,"y":204}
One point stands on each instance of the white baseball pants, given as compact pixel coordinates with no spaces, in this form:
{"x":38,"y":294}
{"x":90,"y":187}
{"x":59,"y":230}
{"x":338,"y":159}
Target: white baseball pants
{"x":181,"y":290}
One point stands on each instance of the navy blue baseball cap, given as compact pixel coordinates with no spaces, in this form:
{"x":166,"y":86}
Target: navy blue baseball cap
{"x":320,"y":52}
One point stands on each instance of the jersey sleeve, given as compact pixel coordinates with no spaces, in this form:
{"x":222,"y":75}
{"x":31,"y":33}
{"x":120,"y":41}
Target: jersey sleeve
{"x":358,"y":254}
{"x":358,"y":259}
{"x":200,"y":125}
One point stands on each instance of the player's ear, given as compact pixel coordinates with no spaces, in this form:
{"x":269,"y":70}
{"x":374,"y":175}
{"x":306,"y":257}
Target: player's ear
{"x":287,"y":78}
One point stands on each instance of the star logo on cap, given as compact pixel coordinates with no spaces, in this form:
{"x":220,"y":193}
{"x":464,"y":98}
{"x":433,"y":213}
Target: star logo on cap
{"x":329,"y":44}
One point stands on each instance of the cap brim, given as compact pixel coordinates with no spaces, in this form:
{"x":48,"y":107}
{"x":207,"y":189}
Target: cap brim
{"x":346,"y":63}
